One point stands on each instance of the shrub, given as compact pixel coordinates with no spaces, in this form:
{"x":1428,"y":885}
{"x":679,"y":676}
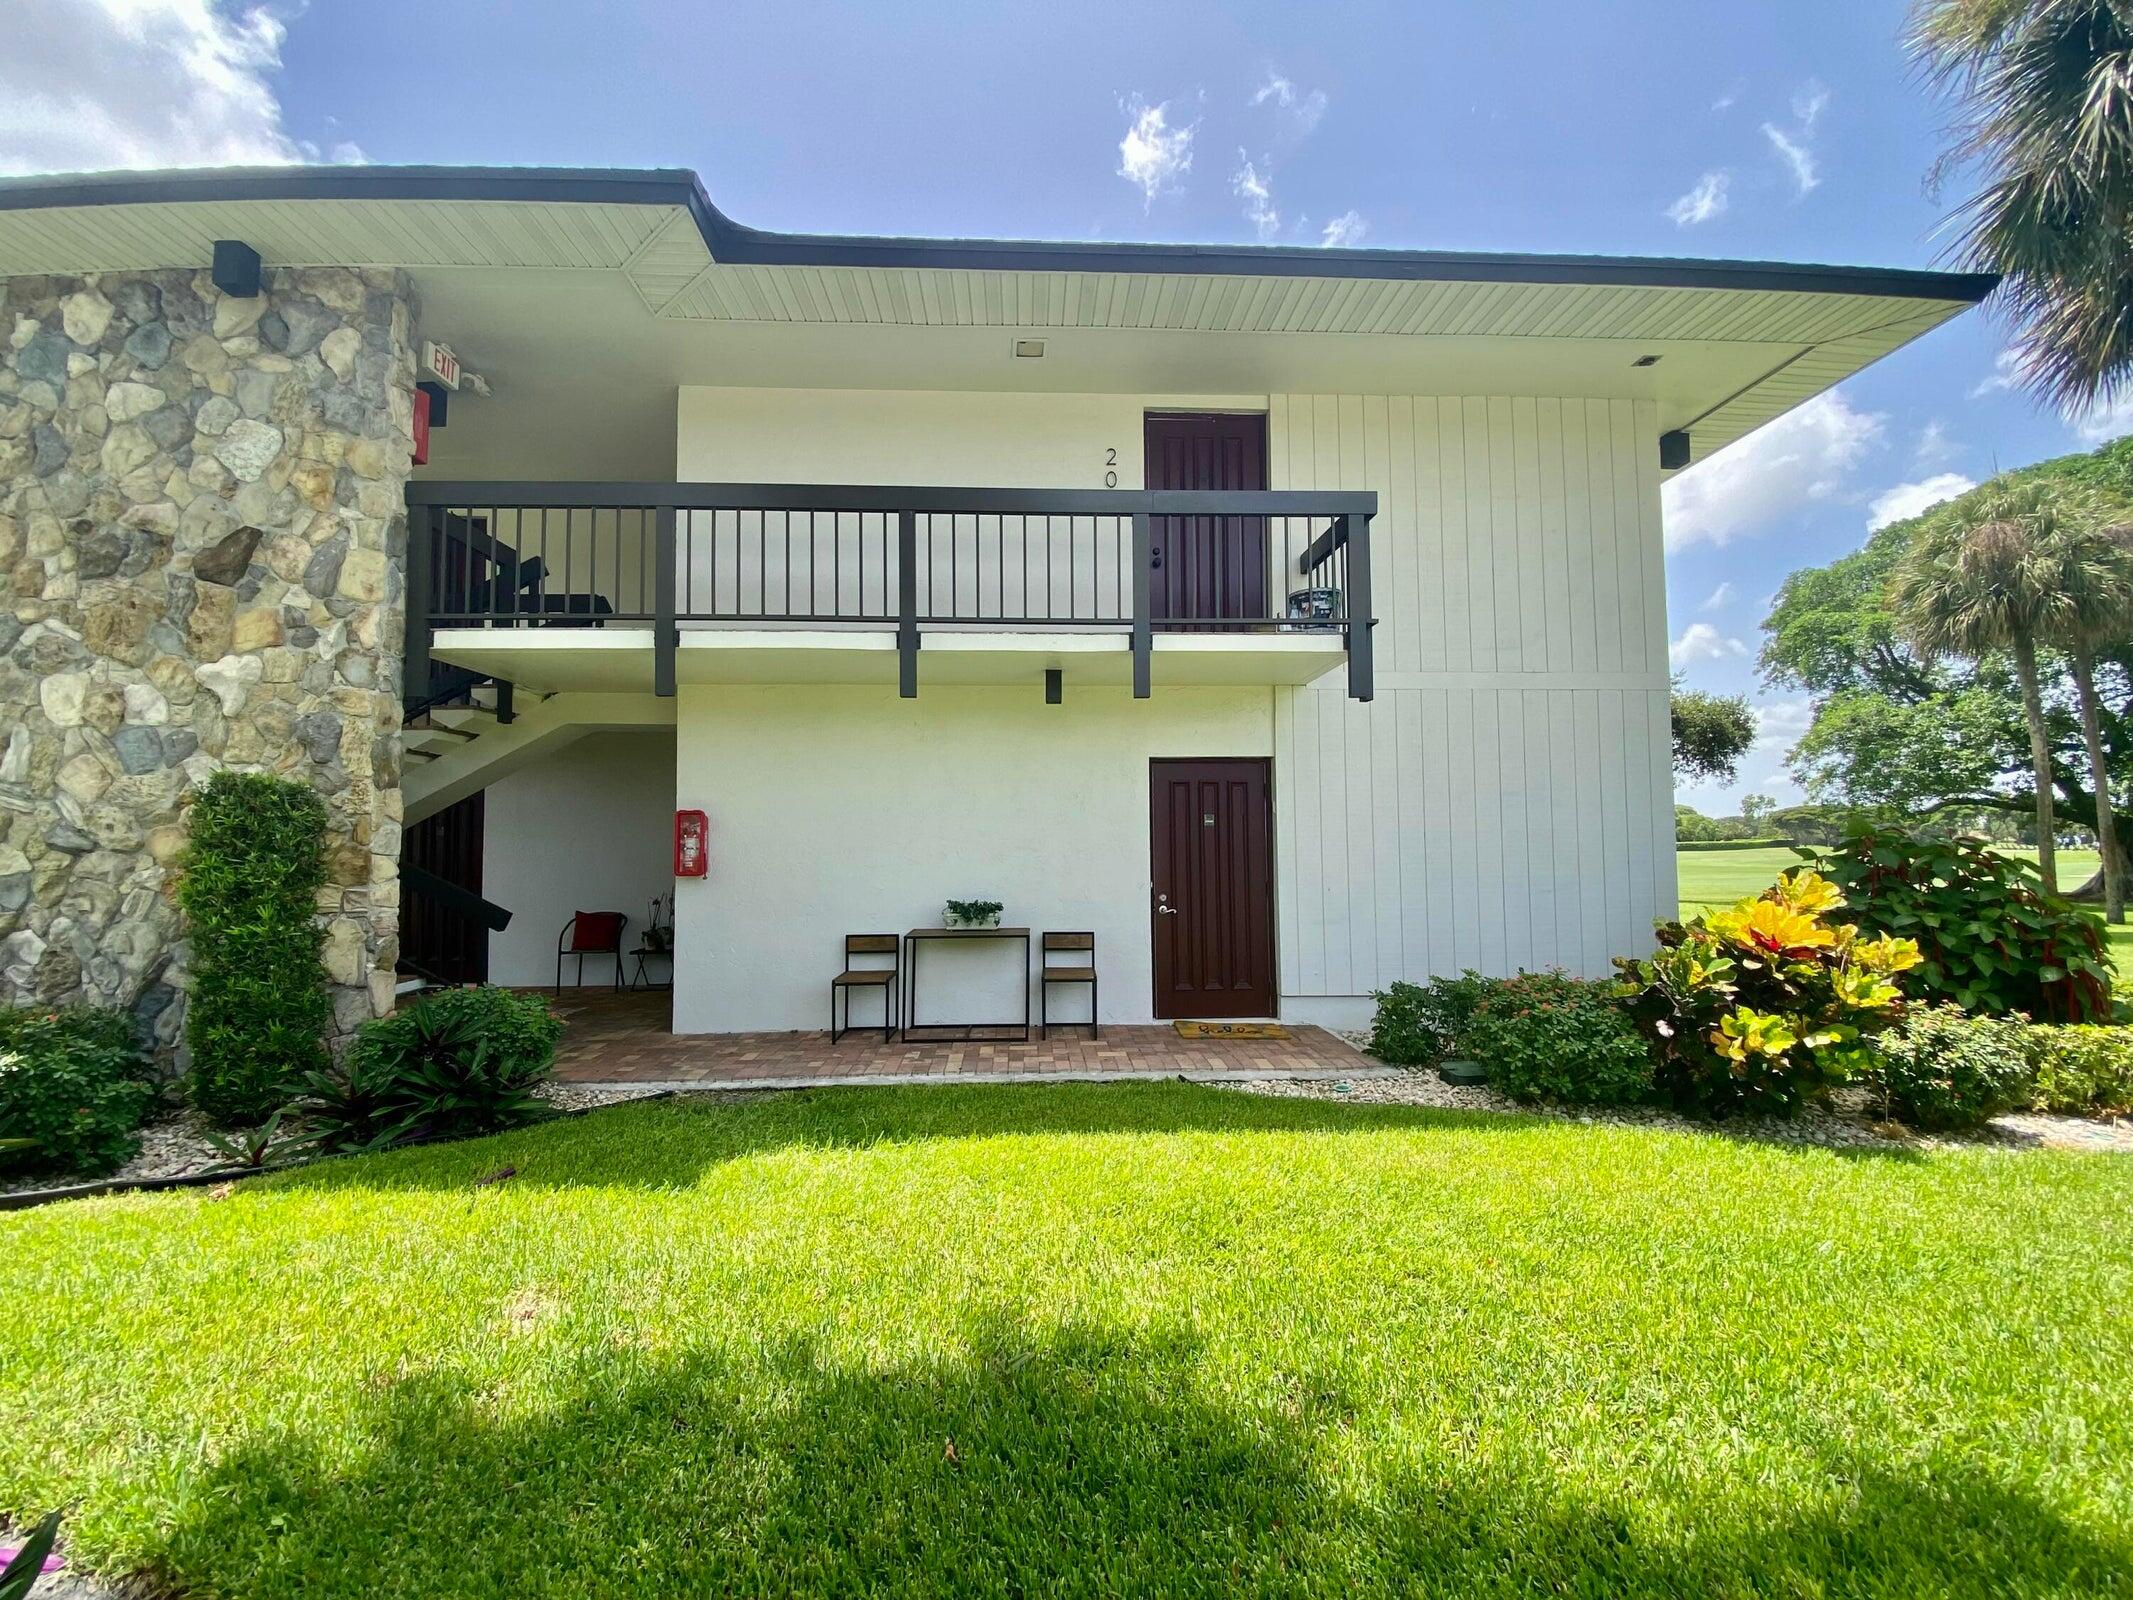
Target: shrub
{"x":258,"y":1009}
{"x":1419,"y":1025}
{"x":74,"y":1087}
{"x":1989,"y":939}
{"x":2080,"y":1069}
{"x":464,"y":1061}
{"x":1756,"y":1007}
{"x":1940,"y":1067}
{"x":1548,"y":1036}
{"x":355,"y":1104}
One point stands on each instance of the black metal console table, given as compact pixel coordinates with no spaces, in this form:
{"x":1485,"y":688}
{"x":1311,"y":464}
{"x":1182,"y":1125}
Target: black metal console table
{"x":952,"y":1031}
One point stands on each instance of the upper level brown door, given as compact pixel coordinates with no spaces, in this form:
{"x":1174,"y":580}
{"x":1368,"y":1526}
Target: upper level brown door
{"x":1211,"y":861}
{"x":1207,"y":566}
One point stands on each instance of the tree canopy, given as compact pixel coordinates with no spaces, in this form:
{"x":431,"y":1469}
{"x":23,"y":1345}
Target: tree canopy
{"x":1893,"y":730}
{"x":1711,"y":732}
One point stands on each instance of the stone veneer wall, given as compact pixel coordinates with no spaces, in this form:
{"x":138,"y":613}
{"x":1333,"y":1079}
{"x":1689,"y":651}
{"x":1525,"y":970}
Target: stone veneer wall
{"x":202,"y":538}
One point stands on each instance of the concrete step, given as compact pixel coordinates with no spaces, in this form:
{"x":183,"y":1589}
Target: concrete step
{"x":465,"y":719}
{"x":434,"y":741}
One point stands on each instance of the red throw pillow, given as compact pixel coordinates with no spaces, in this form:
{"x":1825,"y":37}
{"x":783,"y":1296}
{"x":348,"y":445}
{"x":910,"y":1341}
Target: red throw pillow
{"x":597,"y":930}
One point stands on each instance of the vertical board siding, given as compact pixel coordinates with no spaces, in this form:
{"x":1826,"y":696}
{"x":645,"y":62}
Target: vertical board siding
{"x":1507,"y":799}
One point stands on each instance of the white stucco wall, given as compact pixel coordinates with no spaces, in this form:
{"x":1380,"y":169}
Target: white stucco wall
{"x":845,"y":809}
{"x":590,"y":828}
{"x":1507,"y":800}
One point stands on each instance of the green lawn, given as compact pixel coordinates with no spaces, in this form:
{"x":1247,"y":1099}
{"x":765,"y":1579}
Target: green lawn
{"x":1130,"y":1339}
{"x":1714,"y":878}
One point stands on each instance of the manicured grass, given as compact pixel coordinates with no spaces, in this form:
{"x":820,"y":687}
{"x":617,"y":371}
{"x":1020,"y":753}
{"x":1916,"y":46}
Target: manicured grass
{"x":1134,"y":1339}
{"x":1714,"y":878}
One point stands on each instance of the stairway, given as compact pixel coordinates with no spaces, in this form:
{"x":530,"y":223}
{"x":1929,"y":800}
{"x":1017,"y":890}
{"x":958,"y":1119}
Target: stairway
{"x":452,"y":751}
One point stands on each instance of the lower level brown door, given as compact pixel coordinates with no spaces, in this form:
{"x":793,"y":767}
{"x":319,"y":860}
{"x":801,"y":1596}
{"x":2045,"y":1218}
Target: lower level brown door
{"x":1211,"y":861}
{"x":436,"y":942}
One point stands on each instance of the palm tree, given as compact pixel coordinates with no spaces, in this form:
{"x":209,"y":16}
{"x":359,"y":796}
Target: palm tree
{"x":2094,"y":571}
{"x":2046,"y":95}
{"x":1980,"y":577}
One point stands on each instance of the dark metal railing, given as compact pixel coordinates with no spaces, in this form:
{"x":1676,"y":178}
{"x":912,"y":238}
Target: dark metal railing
{"x":675,"y":555}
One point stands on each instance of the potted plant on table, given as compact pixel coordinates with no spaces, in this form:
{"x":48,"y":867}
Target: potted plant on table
{"x":971,"y":914}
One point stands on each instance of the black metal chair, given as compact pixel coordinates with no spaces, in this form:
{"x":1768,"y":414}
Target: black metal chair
{"x":590,"y":933}
{"x":1084,"y":945}
{"x":886,"y":979}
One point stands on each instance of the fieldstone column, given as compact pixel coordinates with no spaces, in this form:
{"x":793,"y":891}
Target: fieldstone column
{"x":203,"y":540}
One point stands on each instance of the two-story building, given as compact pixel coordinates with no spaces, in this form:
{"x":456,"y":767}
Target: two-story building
{"x":1291,"y":619}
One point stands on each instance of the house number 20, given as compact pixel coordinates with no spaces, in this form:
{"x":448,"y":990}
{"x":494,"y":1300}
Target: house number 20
{"x":1111,"y":468}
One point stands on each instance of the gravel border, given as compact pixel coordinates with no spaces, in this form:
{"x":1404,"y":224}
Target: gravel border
{"x":1846,"y":1123}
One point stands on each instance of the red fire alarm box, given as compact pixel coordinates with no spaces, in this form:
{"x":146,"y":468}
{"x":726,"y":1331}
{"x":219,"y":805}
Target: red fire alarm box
{"x":422,"y":428}
{"x":692,"y":837}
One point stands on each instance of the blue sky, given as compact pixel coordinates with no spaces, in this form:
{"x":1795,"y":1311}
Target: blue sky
{"x":1791,"y":129}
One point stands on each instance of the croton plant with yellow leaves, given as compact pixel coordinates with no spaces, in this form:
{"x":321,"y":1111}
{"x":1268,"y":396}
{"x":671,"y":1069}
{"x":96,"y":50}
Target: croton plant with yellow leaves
{"x":1756,"y":1007}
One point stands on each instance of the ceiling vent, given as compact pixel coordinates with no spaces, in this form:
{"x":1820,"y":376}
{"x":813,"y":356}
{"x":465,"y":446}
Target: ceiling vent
{"x":1029,"y":349}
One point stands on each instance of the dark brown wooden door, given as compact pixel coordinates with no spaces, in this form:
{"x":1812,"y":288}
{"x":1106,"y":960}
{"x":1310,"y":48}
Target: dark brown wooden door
{"x":1211,"y":860}
{"x":1207,"y":566}
{"x":436,"y":942}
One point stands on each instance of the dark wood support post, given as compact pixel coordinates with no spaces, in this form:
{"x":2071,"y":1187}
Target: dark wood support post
{"x":1143,"y":628}
{"x":1355,"y":536}
{"x":907,"y":604}
{"x":665,"y":634}
{"x":422,"y":525}
{"x":505,"y":712}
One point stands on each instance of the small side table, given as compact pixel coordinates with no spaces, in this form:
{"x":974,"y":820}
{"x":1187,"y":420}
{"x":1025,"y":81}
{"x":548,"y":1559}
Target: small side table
{"x":642,"y":979}
{"x":917,"y":939}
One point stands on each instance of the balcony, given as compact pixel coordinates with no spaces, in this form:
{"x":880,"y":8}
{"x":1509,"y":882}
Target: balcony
{"x":633,"y":586}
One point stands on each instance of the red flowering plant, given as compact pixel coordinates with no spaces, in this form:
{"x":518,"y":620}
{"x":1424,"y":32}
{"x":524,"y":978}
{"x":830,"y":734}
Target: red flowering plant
{"x":1754,"y":1008}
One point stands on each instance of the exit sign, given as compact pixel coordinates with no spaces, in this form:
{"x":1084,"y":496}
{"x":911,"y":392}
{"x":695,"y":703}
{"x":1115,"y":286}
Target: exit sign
{"x":438,"y":360}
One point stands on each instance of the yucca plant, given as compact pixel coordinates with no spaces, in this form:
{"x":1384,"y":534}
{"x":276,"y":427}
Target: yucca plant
{"x":467,"y":1061}
{"x":20,"y":1574}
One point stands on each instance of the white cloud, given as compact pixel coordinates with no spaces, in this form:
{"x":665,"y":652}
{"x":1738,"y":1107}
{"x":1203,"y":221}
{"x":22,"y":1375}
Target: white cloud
{"x":1797,"y":157}
{"x":1153,"y":154}
{"x":2006,"y":373}
{"x":1702,"y":642}
{"x":1805,"y":455}
{"x":1726,"y":101}
{"x":1908,"y":499}
{"x":1344,"y":231}
{"x":1720,"y":596}
{"x":1257,"y":193}
{"x":1705,"y":201}
{"x":1934,"y":448}
{"x":1809,"y":101}
{"x":1796,"y":149}
{"x":1303,"y":111}
{"x":2107,"y":419}
{"x":103,"y":84}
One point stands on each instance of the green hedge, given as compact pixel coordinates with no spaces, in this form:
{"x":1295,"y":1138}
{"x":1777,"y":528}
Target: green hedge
{"x":2080,"y":1069}
{"x":258,"y":1012}
{"x":1731,"y":844}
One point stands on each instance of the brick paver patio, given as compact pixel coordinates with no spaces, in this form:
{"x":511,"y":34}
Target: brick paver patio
{"x":623,"y":1038}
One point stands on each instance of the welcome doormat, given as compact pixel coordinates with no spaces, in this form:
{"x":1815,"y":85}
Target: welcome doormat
{"x":1231,"y":1030}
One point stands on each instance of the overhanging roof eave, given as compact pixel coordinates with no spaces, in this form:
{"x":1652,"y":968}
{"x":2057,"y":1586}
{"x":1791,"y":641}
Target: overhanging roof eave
{"x":733,"y":243}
